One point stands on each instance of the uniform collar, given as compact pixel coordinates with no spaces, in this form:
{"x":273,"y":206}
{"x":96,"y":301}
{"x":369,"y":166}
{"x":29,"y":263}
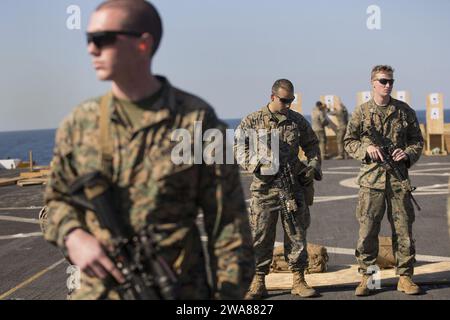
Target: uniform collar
{"x":164,"y":108}
{"x":391,"y":107}
{"x":267,"y":113}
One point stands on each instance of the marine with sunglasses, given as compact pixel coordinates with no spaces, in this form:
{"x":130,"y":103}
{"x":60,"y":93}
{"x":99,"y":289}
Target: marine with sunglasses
{"x":127,"y":134}
{"x":380,"y":191}
{"x":294,"y":132}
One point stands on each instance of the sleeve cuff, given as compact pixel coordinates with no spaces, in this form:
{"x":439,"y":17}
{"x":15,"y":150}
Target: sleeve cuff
{"x":64,"y":230}
{"x":363,"y":152}
{"x":408,"y":160}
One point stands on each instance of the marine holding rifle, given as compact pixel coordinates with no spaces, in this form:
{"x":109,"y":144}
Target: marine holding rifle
{"x":118,"y":206}
{"x":281,"y":183}
{"x":384,"y":134}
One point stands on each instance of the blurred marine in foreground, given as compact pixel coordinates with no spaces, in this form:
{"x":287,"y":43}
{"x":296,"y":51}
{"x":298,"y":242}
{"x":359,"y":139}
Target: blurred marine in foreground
{"x":118,"y":206}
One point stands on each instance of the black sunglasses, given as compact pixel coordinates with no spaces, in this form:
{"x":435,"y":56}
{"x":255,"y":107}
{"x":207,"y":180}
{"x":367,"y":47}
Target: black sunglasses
{"x":286,"y":100}
{"x":386,"y":81}
{"x":106,"y":38}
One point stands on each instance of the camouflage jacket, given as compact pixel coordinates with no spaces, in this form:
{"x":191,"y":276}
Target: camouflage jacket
{"x":150,"y":188}
{"x":294,"y":131}
{"x":318,"y":119}
{"x":341,"y":115}
{"x":400,"y":127}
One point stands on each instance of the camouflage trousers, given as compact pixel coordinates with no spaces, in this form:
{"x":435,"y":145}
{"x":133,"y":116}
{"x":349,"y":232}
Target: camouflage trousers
{"x":370,"y":211}
{"x":340,"y":133}
{"x":322,"y":142}
{"x":264,"y":211}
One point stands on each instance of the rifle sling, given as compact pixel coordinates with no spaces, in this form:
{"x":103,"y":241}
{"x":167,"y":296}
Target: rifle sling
{"x":106,"y":150}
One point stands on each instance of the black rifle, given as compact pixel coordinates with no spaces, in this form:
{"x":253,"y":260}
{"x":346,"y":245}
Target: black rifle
{"x":287,"y":182}
{"x":147,"y":275}
{"x":386,"y":149}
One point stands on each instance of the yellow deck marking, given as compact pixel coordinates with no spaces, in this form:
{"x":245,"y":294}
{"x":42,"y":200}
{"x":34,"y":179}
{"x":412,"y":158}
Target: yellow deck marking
{"x":30,"y":280}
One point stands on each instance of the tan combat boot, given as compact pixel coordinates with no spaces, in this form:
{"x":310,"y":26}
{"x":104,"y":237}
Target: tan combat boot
{"x":257,"y":288}
{"x":406,"y":285}
{"x":300,"y":287}
{"x":362,"y":289}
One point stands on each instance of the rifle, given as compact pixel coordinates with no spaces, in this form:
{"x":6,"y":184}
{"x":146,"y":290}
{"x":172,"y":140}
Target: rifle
{"x":147,"y":275}
{"x":386,"y":149}
{"x":286,"y":182}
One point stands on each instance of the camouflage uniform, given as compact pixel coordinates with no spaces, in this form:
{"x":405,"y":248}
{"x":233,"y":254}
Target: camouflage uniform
{"x":318,"y":122}
{"x":295,"y":132}
{"x":341,"y":115}
{"x":380,"y":190}
{"x":150,"y":188}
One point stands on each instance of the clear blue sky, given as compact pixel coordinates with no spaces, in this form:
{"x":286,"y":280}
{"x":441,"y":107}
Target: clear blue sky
{"x":228,"y":52}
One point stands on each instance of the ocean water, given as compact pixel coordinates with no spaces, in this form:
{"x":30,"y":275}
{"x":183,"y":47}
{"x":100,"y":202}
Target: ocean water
{"x":17,"y":144}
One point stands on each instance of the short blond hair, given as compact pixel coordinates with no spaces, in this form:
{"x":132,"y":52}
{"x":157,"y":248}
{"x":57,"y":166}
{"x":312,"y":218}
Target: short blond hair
{"x":381,"y":68}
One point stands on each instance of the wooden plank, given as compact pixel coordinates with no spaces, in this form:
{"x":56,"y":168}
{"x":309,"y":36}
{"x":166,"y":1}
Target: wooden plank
{"x":435,"y":114}
{"x":45,"y":172}
{"x":423,"y":129}
{"x":31,"y":175}
{"x":31,"y":182}
{"x":297,"y":104}
{"x":424,"y":135}
{"x":362,"y":97}
{"x":447,"y":143}
{"x":8,"y":181}
{"x":447,"y":128}
{"x":402,"y":95}
{"x":435,"y":141}
{"x":24,"y":164}
{"x":347,"y":275}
